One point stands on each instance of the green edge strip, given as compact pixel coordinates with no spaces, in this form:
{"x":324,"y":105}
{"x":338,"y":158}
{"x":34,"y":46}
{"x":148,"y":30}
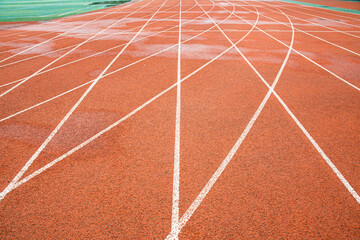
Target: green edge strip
{"x":325,"y":7}
{"x":49,"y":10}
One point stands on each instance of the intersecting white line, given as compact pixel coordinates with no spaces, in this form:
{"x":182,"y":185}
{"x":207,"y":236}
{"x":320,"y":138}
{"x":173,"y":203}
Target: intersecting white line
{"x":50,"y":137}
{"x":68,"y":52}
{"x":78,"y":147}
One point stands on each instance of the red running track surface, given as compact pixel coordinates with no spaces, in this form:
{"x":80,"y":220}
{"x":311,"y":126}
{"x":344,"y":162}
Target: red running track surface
{"x":188,"y":119}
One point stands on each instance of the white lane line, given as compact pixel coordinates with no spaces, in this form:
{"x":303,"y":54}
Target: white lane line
{"x":57,"y":160}
{"x":313,"y":15}
{"x":176,"y":177}
{"x":67,"y":53}
{"x":309,"y":34}
{"x":108,"y":74}
{"x":299,"y":53}
{"x":59,"y":35}
{"x":50,"y":137}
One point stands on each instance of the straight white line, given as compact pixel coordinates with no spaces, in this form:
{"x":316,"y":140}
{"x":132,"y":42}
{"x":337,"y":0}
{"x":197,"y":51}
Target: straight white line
{"x":50,"y":137}
{"x":67,"y":53}
{"x":57,"y":160}
{"x":176,"y":180}
{"x":306,"y":32}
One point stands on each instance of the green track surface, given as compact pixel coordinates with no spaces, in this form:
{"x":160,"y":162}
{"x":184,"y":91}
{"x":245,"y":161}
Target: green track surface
{"x":327,"y":7}
{"x":40,"y":10}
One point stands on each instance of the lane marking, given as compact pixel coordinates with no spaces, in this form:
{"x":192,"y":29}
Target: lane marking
{"x":67,"y":53}
{"x":176,"y":177}
{"x":50,"y":137}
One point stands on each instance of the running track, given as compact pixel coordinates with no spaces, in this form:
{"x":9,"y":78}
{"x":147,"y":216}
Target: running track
{"x":192,"y":119}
